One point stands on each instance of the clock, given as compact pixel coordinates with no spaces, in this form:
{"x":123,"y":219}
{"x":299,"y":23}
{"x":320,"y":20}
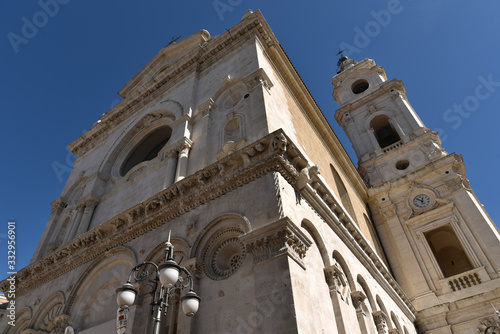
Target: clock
{"x":421,"y":201}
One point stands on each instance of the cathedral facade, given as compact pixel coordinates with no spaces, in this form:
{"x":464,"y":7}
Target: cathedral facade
{"x":218,"y":141}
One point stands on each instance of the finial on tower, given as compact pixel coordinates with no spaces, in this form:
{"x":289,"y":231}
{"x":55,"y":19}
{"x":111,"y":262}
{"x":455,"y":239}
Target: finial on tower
{"x":344,"y":62}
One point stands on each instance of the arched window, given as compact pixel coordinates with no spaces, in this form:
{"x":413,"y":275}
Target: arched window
{"x":342,"y":192}
{"x":384,"y":131}
{"x":395,"y":322}
{"x":448,"y":251}
{"x":147,"y":149}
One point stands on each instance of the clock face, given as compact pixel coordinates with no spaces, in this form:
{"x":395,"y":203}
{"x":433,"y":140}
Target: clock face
{"x":421,"y":201}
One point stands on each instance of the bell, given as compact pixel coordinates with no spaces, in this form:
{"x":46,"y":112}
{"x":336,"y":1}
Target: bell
{"x":387,"y":136}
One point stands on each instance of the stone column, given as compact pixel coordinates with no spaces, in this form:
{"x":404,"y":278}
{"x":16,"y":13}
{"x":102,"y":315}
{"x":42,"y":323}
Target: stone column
{"x":87,"y":216}
{"x":373,"y":138}
{"x":171,"y":157}
{"x":358,"y":300}
{"x":336,"y":281}
{"x":182,"y":162}
{"x":398,"y":128}
{"x":380,"y":319}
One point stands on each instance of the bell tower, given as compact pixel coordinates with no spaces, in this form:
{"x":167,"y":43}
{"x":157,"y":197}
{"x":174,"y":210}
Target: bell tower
{"x":378,"y":119}
{"x":442,"y":246}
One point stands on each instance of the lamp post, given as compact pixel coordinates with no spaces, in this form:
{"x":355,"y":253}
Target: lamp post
{"x":170,"y":275}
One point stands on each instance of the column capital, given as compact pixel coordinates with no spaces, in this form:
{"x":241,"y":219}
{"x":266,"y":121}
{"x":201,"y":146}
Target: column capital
{"x":358,"y":299}
{"x":276,"y":239}
{"x":380,"y":319}
{"x":58,"y":205}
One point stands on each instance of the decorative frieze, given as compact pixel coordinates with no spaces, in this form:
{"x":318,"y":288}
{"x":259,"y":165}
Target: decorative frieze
{"x":276,"y":239}
{"x":272,"y":153}
{"x":203,"y":57}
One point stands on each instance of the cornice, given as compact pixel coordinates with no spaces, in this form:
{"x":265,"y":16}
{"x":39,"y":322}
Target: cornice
{"x":272,"y":153}
{"x":299,"y":91}
{"x":209,"y":53}
{"x":367,"y":63}
{"x":233,"y":171}
{"x":195,"y":61}
{"x":456,"y":173}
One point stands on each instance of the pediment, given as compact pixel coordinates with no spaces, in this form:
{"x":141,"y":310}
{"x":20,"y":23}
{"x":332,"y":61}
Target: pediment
{"x":165,"y":61}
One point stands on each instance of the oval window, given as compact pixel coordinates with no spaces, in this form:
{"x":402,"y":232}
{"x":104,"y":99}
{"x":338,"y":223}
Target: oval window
{"x":360,"y":86}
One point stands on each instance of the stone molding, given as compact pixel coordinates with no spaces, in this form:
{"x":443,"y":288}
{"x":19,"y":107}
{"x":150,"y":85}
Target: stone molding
{"x":205,"y":185}
{"x":276,"y":239}
{"x":272,"y":153}
{"x":204,"y":57}
{"x":252,"y":26}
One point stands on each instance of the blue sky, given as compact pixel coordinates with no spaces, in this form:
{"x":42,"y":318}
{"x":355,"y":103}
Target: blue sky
{"x":61,"y":66}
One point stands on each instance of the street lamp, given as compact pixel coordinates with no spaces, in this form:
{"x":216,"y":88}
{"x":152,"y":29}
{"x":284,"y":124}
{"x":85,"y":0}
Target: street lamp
{"x":170,"y":275}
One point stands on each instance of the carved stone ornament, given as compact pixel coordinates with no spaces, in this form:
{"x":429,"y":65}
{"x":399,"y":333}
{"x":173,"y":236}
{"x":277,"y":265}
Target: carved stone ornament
{"x":433,"y":149}
{"x":256,"y":79}
{"x":282,"y":237}
{"x":58,"y":205}
{"x":358,"y":300}
{"x":224,"y":254}
{"x":279,"y":143}
{"x":485,"y":323}
{"x":306,"y":176}
{"x":337,"y":281}
{"x":29,"y":331}
{"x":380,"y":319}
{"x":220,"y":178}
